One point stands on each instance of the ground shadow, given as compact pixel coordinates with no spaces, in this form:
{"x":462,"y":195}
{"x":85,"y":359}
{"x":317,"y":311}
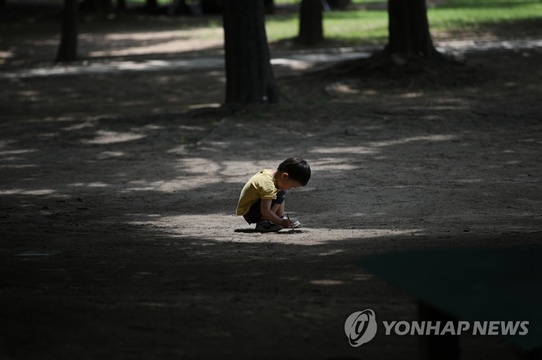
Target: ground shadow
{"x":118,"y":234}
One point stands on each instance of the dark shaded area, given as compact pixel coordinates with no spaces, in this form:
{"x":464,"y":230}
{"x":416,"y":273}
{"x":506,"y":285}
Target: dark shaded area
{"x":100,"y":259}
{"x":117,"y":233}
{"x":490,"y":284}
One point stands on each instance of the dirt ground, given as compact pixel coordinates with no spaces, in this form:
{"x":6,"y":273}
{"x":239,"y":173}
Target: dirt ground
{"x":117,"y":206}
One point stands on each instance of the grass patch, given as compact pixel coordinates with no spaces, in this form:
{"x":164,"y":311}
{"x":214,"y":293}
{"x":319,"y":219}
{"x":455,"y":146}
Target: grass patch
{"x":370,"y":25}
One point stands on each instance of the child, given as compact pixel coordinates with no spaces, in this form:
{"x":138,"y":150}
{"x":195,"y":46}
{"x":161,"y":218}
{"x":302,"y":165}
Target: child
{"x":262,"y":198}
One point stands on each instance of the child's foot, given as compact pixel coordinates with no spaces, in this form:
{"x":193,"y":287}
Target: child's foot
{"x":267,"y":226}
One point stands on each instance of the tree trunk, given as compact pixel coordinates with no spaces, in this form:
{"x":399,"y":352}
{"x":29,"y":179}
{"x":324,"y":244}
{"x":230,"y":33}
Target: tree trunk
{"x":121,"y":5}
{"x":269,"y":6}
{"x":97,"y":6}
{"x":310,"y":23}
{"x":249,"y":75}
{"x":67,"y":51}
{"x":409,"y":50}
{"x":152,"y":5}
{"x":409,"y":29}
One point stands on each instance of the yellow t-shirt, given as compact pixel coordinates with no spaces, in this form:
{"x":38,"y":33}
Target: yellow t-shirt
{"x":260,"y":186}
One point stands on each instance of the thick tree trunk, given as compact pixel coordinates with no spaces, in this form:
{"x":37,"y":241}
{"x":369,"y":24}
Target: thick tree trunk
{"x":97,"y":6}
{"x":249,"y":75}
{"x":121,"y":5}
{"x":311,"y":31}
{"x":409,"y":29}
{"x":152,"y":5}
{"x":67,"y":51}
{"x":269,"y":6}
{"x":409,"y":50}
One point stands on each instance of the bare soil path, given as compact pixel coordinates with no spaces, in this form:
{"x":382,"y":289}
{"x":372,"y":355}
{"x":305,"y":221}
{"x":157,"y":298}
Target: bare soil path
{"x":116,"y":207}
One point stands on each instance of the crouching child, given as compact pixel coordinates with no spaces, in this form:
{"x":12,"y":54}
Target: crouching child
{"x":262,"y":199}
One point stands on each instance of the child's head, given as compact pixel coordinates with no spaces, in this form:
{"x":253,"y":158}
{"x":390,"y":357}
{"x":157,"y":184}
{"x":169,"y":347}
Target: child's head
{"x":295,"y":170}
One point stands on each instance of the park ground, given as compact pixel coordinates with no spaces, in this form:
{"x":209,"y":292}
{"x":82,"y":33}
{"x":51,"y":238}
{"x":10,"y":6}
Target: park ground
{"x":118,"y":191}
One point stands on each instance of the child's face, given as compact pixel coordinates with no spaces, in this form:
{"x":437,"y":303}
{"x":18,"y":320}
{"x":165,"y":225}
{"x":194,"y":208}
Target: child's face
{"x":285,"y":183}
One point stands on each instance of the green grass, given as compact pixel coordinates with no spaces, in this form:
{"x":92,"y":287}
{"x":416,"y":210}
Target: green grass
{"x":367,"y":23}
{"x":339,"y":25}
{"x":452,"y":18}
{"x":370,"y":26}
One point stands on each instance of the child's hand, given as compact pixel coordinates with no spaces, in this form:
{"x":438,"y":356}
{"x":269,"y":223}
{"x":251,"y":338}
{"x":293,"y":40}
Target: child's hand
{"x":286,"y":223}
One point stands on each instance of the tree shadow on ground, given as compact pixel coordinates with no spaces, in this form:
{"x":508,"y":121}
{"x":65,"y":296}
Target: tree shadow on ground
{"x":119,"y":237}
{"x":135,"y":260}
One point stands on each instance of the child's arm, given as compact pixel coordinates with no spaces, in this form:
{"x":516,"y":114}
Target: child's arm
{"x":268,"y":214}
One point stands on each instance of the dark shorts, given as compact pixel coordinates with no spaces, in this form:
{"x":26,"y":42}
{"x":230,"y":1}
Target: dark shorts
{"x":254,"y":214}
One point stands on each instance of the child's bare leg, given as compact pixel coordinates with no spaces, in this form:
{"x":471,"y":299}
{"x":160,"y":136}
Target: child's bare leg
{"x":279,"y":209}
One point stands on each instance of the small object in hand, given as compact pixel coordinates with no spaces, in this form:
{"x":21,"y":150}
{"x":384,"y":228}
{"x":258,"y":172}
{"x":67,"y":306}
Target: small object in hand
{"x":291,"y":223}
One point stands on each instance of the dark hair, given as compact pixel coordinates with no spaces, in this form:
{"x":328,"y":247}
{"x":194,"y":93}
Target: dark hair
{"x":297,"y":170}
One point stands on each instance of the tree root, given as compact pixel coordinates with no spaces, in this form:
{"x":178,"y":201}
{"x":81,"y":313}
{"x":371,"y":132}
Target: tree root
{"x":438,"y":70}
